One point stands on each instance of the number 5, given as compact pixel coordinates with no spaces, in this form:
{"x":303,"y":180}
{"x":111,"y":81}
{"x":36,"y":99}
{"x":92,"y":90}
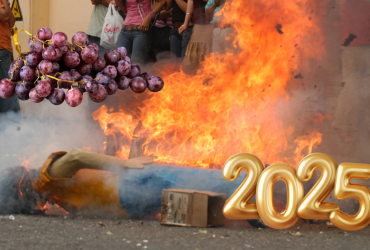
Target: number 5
{"x":344,"y":189}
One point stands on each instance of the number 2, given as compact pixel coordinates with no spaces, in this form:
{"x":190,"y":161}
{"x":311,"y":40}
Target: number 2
{"x":238,"y":206}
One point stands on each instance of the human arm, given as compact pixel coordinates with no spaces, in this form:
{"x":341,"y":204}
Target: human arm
{"x":6,"y":14}
{"x":147,"y":20}
{"x":121,"y":6}
{"x":188,"y":16}
{"x":77,"y":159}
{"x":164,"y":14}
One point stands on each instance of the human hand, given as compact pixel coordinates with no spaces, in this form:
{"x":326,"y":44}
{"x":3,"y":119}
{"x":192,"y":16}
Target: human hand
{"x":139,"y":162}
{"x":183,"y":28}
{"x":145,"y":23}
{"x":113,"y":2}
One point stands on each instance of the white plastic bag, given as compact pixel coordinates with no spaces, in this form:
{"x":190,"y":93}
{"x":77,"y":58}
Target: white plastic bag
{"x":112,"y":27}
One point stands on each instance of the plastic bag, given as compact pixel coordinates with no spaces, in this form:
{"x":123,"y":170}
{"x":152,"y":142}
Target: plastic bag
{"x":112,"y":26}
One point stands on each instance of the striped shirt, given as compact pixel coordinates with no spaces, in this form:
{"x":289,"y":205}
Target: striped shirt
{"x":97,"y":20}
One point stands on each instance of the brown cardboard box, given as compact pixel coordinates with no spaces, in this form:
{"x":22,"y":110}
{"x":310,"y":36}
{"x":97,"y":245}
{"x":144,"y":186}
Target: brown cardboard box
{"x":190,"y":208}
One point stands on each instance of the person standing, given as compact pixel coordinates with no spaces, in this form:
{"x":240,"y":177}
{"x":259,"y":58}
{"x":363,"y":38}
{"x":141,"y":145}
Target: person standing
{"x":7,"y":22}
{"x":179,"y":43}
{"x":97,"y":22}
{"x":201,"y":42}
{"x":136,"y":35}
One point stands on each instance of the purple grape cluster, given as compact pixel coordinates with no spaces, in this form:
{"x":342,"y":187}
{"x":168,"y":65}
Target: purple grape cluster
{"x":53,"y":64}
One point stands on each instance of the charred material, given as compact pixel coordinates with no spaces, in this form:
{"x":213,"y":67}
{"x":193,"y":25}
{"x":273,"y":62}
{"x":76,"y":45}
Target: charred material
{"x":17,"y":195}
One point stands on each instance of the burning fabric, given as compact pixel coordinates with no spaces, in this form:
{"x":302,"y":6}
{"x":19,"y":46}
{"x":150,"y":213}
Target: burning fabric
{"x":90,"y":183}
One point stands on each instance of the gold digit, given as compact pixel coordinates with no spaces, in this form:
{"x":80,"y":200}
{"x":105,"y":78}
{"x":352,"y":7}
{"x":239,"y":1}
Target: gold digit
{"x":237,"y":207}
{"x":264,"y":196}
{"x":344,"y":189}
{"x":311,"y":206}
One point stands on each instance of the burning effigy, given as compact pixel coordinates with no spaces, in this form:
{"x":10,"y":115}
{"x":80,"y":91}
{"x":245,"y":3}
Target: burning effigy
{"x":84,"y":182}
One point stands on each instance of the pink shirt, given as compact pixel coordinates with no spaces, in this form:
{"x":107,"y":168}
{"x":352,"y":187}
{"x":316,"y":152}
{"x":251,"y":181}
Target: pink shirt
{"x":137,"y":10}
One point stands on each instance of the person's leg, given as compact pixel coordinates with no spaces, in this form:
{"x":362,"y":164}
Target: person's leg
{"x":176,"y":43}
{"x":141,"y":47}
{"x":125,"y":39}
{"x":185,"y":42}
{"x":12,"y":103}
{"x":95,"y":39}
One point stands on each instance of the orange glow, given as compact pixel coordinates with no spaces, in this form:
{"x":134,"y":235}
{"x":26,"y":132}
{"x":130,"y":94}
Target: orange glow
{"x":230,"y":105}
{"x":25,"y":164}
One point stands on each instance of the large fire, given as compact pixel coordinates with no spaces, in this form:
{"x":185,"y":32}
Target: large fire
{"x":230,"y":105}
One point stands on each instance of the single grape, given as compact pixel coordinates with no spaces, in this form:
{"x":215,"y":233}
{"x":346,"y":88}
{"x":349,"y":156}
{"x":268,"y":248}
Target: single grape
{"x":100,"y":95}
{"x":126,"y":58}
{"x":80,"y":38}
{"x":78,"y":50}
{"x":111,"y":71}
{"x":135,"y":71}
{"x":59,"y":39}
{"x":86,"y":78}
{"x":23,"y":90}
{"x":72,"y":59}
{"x":59,"y":54}
{"x":84,"y":68}
{"x":73,"y":97}
{"x":103,"y":78}
{"x":44,"y":34}
{"x":122,"y":51}
{"x":43,"y":88}
{"x":95,"y":46}
{"x":155,"y":84}
{"x":35,"y":45}
{"x":50,"y":54}
{"x":123,"y":67}
{"x":15,"y":69}
{"x":56,"y":67}
{"x":46,"y":67}
{"x":81,"y":88}
{"x":34,"y":97}
{"x":57,"y":96}
{"x":89,"y":55}
{"x":112,"y":87}
{"x":65,"y":49}
{"x":123,"y":82}
{"x":111,"y":57}
{"x":91,"y":86}
{"x":33,"y":59}
{"x":75,"y":74}
{"x":51,"y":81}
{"x":65,"y":75}
{"x":27,"y":73}
{"x":138,"y":84}
{"x":146,"y":76}
{"x":7,"y":88}
{"x":99,"y":64}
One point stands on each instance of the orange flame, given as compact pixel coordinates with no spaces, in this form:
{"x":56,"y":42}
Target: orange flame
{"x":229,"y":106}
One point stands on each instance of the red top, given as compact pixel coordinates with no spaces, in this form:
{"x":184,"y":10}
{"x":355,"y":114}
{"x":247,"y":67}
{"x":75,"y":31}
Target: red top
{"x":5,"y":36}
{"x":199,"y":13}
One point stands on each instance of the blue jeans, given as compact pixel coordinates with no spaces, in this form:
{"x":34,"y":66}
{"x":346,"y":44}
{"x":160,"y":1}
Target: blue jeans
{"x":179,"y":43}
{"x":12,"y":103}
{"x":95,"y":39}
{"x":138,"y":44}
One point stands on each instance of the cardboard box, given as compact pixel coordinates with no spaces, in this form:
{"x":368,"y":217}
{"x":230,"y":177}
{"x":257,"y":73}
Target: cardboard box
{"x":190,"y":208}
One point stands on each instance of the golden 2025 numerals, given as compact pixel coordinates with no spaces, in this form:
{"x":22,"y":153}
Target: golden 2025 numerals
{"x":260,"y":182}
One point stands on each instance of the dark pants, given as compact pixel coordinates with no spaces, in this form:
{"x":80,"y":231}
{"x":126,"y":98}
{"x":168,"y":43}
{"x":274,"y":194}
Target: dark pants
{"x":95,"y":39}
{"x":179,"y":43}
{"x":12,"y":103}
{"x":138,"y":44}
